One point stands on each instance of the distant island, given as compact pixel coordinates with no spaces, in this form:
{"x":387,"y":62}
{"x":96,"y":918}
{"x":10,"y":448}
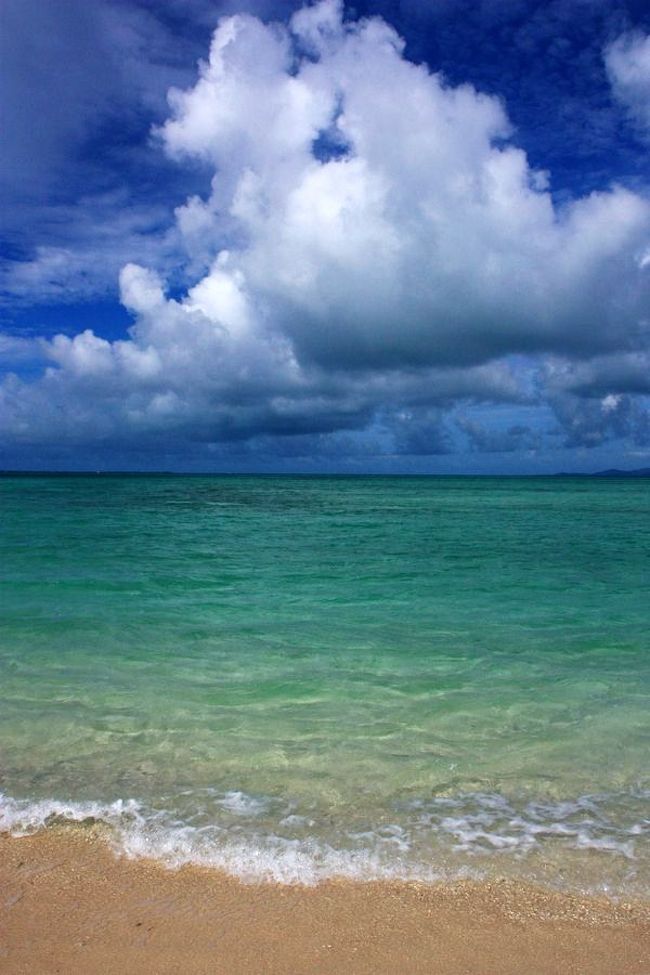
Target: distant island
{"x":612,"y":472}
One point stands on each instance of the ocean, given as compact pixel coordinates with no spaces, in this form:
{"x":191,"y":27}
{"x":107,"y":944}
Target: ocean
{"x":292,"y":678}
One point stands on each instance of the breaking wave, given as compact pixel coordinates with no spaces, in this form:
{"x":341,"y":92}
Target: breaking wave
{"x":444,"y":837}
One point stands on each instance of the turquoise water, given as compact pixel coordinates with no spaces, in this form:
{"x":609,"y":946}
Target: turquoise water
{"x":299,"y":677}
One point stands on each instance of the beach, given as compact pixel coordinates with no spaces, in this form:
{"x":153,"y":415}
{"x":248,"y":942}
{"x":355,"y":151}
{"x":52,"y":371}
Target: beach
{"x":69,"y":905}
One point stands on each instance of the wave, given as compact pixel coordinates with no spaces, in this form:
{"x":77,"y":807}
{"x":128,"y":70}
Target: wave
{"x":441,"y":838}
{"x":138,"y":831}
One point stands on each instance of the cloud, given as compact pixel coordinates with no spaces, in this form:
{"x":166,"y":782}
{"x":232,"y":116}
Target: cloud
{"x":620,"y":373}
{"x":605,"y":398}
{"x":484,"y":439}
{"x":81,"y":83}
{"x":68,"y":70}
{"x":373,"y":251}
{"x":88,"y":245}
{"x":591,"y":422}
{"x":628,"y":66}
{"x":427,"y":241}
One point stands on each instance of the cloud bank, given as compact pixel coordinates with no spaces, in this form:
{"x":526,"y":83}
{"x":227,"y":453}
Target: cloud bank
{"x":374,"y":255}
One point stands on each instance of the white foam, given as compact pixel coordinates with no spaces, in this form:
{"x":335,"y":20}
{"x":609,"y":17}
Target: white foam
{"x":484,"y":822}
{"x":23,"y":816}
{"x":272,"y":858}
{"x":138,"y":832}
{"x":260,"y":838}
{"x":241,"y":804}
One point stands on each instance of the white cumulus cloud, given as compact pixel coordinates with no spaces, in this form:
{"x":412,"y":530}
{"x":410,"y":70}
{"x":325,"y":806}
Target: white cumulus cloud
{"x":373,"y":249}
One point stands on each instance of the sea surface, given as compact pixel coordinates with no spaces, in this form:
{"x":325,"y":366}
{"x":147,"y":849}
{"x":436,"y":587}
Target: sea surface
{"x":293,"y":678}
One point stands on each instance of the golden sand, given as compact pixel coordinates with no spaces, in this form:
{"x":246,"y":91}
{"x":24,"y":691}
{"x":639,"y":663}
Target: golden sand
{"x":68,"y":906}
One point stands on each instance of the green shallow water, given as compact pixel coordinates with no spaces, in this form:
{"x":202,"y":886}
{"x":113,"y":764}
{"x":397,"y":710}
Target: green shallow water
{"x":304,"y":676}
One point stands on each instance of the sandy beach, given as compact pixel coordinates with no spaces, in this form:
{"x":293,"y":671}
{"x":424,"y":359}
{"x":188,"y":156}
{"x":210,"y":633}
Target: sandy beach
{"x":69,"y":905}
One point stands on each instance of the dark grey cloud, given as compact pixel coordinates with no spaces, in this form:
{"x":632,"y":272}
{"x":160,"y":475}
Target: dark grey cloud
{"x":516,"y":437}
{"x":590,"y":423}
{"x":623,"y":372}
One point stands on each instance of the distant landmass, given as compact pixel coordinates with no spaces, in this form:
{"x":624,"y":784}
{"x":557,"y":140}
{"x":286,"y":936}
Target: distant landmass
{"x":612,"y":472}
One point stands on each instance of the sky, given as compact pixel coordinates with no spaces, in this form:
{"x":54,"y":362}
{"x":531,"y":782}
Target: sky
{"x":400,"y":236}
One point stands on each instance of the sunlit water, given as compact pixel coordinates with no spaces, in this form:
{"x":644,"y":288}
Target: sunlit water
{"x":303,"y":677}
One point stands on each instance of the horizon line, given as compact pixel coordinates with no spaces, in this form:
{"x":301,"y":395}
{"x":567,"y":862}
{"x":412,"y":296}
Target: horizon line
{"x":89,"y":472}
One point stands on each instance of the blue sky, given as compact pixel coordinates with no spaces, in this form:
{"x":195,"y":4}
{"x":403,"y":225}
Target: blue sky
{"x":388,"y":237}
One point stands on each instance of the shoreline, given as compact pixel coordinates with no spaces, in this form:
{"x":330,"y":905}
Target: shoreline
{"x":69,"y":904}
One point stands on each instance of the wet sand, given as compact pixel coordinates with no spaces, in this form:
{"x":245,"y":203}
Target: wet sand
{"x":68,"y":906}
